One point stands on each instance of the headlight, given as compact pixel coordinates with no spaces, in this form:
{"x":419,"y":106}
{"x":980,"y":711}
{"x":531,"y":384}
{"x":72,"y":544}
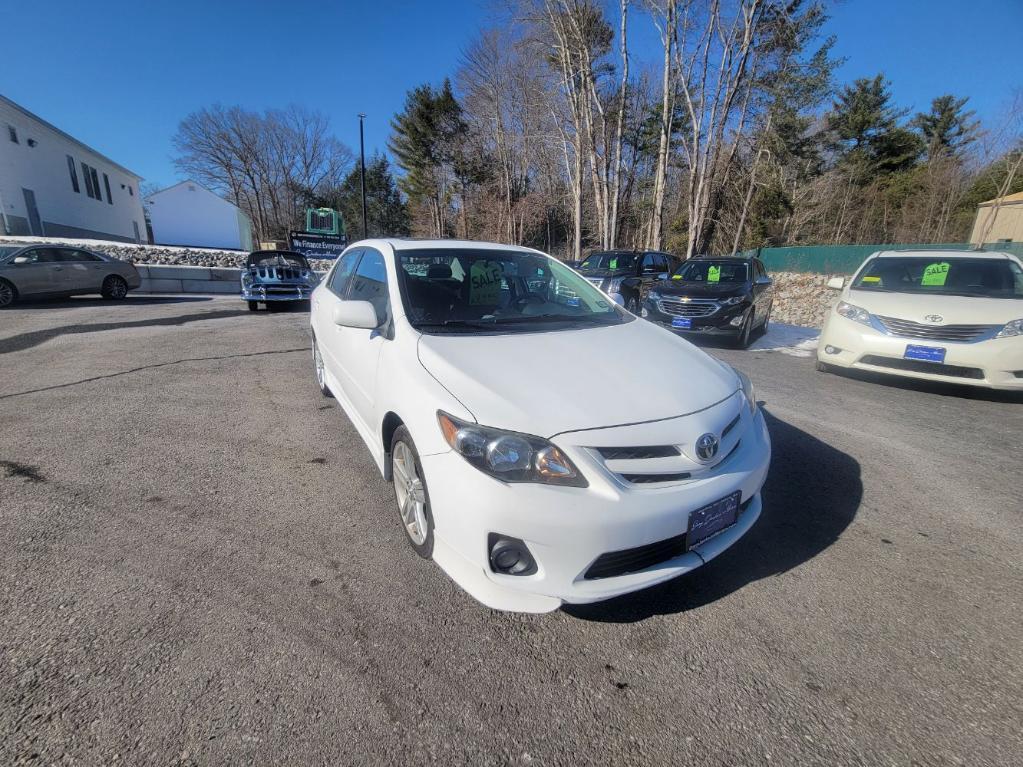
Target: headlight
{"x":510,"y":456}
{"x":732,"y":301}
{"x":653,"y":295}
{"x":747,"y":390}
{"x":246,"y":278}
{"x":615,"y":285}
{"x":1014,"y":328}
{"x":854,"y":313}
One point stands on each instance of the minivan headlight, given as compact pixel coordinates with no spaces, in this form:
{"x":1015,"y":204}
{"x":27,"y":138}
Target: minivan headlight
{"x":510,"y":456}
{"x":854,"y":313}
{"x":1014,"y":328}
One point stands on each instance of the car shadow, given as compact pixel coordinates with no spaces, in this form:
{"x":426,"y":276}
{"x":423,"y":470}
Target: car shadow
{"x":812,"y":494}
{"x":34,"y":338}
{"x":75,"y":302}
{"x":938,"y":388}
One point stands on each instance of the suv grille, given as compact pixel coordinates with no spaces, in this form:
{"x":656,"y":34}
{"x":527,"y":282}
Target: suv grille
{"x":695,"y":308}
{"x":908,"y":329}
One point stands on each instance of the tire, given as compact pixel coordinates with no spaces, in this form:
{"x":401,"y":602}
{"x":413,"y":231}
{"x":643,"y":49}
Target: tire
{"x":766,"y":323}
{"x":253,"y":306}
{"x":115,"y":288}
{"x":8,"y":294}
{"x":632,"y":305}
{"x":321,"y":377}
{"x":411,"y":494}
{"x":742,"y":340}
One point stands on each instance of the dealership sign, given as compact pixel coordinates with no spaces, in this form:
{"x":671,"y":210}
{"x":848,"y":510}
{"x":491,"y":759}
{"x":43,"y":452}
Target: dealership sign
{"x":316,"y":245}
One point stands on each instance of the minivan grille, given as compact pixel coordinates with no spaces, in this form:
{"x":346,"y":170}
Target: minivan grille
{"x":909,"y":329}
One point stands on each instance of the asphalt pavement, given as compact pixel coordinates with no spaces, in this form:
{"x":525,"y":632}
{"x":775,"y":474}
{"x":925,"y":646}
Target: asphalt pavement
{"x":200,"y":565}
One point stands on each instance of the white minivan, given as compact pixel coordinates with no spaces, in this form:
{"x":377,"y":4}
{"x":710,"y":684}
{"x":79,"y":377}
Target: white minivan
{"x":527,"y":460}
{"x":942,"y":315}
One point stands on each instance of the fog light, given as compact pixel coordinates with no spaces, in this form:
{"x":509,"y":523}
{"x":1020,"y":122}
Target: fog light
{"x":510,"y":556}
{"x":736,"y":321}
{"x":829,"y":349}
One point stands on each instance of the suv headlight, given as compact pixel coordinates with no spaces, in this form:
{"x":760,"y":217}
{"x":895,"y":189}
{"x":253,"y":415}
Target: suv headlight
{"x":615,"y":285}
{"x":747,"y":391}
{"x":1014,"y":328}
{"x":653,"y":295}
{"x":854,"y":313}
{"x":510,"y":456}
{"x":732,"y":300}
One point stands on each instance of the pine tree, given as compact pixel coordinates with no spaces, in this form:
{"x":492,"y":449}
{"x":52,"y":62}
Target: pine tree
{"x":948,"y":128}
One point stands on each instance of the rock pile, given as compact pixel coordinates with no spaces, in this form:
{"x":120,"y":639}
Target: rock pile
{"x":802,"y":298}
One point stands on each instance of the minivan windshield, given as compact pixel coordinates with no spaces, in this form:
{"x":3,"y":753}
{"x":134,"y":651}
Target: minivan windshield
{"x":712,"y":271}
{"x":610,"y":261}
{"x":464,"y":290}
{"x":943,"y":275}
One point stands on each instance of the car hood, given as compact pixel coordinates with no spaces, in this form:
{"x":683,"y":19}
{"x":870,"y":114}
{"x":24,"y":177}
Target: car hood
{"x":953,"y":310}
{"x":548,"y":383}
{"x":700,"y":289}
{"x":603,"y":273}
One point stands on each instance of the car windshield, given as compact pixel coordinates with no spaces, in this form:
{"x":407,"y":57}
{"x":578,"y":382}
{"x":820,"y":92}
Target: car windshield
{"x":278,"y":258}
{"x":609,"y":261}
{"x":461,"y":290}
{"x":712,"y":271}
{"x":943,"y":275}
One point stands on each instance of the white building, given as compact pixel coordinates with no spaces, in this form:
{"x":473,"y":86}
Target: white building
{"x":190,"y":214}
{"x":52,"y":184}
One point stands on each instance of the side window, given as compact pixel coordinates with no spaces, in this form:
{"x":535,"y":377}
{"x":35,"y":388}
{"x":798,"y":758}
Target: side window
{"x":650,"y":263}
{"x":49,"y":256}
{"x":70,"y":254}
{"x":370,"y":282}
{"x":30,"y":256}
{"x":342,"y":273}
{"x":662,"y":263}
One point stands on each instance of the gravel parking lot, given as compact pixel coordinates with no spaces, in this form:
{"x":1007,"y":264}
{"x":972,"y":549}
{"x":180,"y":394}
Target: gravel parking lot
{"x":199,"y":564}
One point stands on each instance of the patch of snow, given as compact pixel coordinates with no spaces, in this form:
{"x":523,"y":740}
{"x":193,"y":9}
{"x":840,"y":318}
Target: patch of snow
{"x":788,"y":339}
{"x":94,"y":244}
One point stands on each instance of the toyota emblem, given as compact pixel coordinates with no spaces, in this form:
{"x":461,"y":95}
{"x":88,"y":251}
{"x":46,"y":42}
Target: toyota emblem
{"x":706,"y":447}
{"x":934,"y":318}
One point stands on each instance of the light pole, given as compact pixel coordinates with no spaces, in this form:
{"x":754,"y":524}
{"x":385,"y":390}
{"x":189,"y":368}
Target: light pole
{"x":362,"y":161}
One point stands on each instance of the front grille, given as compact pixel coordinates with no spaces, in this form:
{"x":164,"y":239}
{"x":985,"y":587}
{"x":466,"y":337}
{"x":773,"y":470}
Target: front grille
{"x":698,"y":308}
{"x":280,"y":273}
{"x":648,"y":479}
{"x":919,"y":366}
{"x":615,"y":563}
{"x":648,"y":451}
{"x":908,"y":329}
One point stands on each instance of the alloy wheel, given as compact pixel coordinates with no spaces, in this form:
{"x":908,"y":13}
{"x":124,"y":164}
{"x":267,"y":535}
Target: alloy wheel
{"x":6,"y":294}
{"x":408,"y":489}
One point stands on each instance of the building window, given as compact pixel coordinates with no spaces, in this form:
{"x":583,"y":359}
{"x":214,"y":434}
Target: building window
{"x":74,"y":174}
{"x":89,"y":188}
{"x":106,"y":183}
{"x":131,"y":191}
{"x":13,"y":134}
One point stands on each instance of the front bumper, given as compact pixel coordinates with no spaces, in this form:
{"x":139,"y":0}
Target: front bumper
{"x":567,"y":529}
{"x":277,"y":292}
{"x":723,"y":321}
{"x":996,"y":363}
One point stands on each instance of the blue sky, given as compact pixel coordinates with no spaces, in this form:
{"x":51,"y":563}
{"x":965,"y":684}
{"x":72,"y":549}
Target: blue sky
{"x":121,"y":75}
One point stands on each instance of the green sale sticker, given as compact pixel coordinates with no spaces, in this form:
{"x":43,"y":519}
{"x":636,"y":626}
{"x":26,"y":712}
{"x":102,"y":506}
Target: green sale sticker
{"x":935,"y":274}
{"x":714,"y":274}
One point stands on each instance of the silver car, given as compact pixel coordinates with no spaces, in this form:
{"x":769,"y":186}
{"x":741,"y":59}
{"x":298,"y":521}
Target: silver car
{"x":49,"y":270}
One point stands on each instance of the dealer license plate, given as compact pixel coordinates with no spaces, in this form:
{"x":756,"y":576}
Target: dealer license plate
{"x":682,"y":322}
{"x":925,"y":353}
{"x":712,"y":519}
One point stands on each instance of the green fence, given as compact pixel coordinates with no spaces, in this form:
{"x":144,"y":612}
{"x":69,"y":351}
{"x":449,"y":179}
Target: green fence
{"x":844,"y":259}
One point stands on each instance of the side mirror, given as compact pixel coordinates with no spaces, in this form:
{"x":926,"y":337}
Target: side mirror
{"x":356,"y":314}
{"x":764,"y":281}
{"x":618,"y":298}
{"x":836,"y":283}
{"x":21,"y":260}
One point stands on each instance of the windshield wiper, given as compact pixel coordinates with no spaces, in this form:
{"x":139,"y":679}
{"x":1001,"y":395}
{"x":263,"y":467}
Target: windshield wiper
{"x":526,"y":319}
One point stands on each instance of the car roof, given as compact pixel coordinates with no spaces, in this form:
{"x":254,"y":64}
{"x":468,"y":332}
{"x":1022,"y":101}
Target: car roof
{"x":941,"y":254}
{"x":735,"y":259}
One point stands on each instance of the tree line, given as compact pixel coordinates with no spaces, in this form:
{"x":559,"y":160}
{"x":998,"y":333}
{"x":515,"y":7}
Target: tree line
{"x":554,"y":133}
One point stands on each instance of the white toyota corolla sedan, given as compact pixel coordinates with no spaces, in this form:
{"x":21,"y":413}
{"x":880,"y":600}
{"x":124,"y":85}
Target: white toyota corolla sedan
{"x":954,"y":316}
{"x":527,"y":460}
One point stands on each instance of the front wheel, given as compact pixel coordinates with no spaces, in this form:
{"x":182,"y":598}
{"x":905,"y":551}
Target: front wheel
{"x":7,"y":294}
{"x":632,"y":304}
{"x":411,"y":494}
{"x":742,"y":340}
{"x":253,"y":306}
{"x":321,"y":373}
{"x":114,"y":288}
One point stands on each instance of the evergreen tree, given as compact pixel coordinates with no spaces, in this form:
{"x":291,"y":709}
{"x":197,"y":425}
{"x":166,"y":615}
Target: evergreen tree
{"x":865,"y":132}
{"x":386,"y":212}
{"x":948,"y":127}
